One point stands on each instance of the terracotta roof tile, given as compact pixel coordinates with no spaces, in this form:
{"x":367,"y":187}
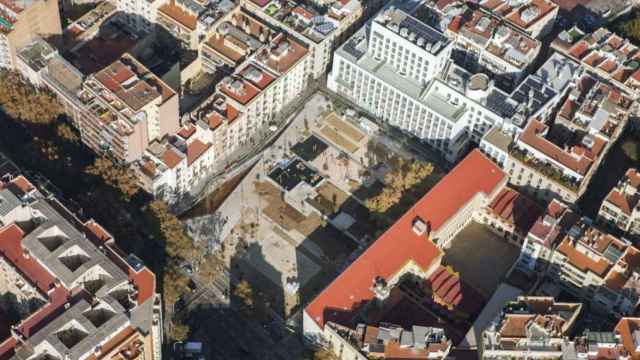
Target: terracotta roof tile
{"x":11,"y":249}
{"x":186,"y":131}
{"x":532,"y":137}
{"x":516,"y":209}
{"x":582,"y":261}
{"x":171,"y":158}
{"x":400,"y":244}
{"x":195,"y":150}
{"x":579,"y":50}
{"x":182,"y":17}
{"x":625,"y":328}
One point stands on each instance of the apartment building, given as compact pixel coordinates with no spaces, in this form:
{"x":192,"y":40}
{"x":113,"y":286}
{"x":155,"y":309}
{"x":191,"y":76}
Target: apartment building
{"x":555,"y":157}
{"x":139,"y":15}
{"x":485,"y":44}
{"x":174,"y":165}
{"x":532,"y":328}
{"x":320,"y":28}
{"x":545,"y":234}
{"x":373,"y":280}
{"x":191,"y":21}
{"x":534,"y":18}
{"x":628,"y":332}
{"x":22,"y":21}
{"x":43,"y":66}
{"x":570,"y":254}
{"x":598,"y":268}
{"x":269,"y":71}
{"x":389,"y":341}
{"x":386,"y":67}
{"x":620,"y":208}
{"x":125,"y":108}
{"x":86,"y":299}
{"x":536,"y":327}
{"x":405,"y":78}
{"x":510,"y":215}
{"x":605,"y":54}
{"x":492,"y":38}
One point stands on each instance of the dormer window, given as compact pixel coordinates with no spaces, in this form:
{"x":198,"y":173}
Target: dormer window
{"x":419,"y":227}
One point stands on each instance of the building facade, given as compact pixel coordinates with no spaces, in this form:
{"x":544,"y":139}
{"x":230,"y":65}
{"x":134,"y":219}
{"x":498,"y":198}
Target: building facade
{"x":425,"y":230}
{"x":532,"y":328}
{"x":268,"y":71}
{"x":125,"y":108}
{"x":321,"y":30}
{"x":87,"y":300}
{"x":620,"y":208}
{"x":22,"y":22}
{"x":171,"y":167}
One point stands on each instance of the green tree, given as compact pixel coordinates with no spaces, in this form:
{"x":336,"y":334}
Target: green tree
{"x":175,"y":285}
{"x":400,"y":183}
{"x":180,"y":331}
{"x":323,"y":354}
{"x":66,"y":133}
{"x":167,"y":228}
{"x":245,"y":293}
{"x":116,"y":176}
{"x":631,"y":28}
{"x":24,"y":102}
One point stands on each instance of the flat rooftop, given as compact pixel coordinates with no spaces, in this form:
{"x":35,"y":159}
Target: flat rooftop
{"x":133,"y":83}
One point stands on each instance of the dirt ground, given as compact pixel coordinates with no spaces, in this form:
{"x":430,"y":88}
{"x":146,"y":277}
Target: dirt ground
{"x":482,"y":257}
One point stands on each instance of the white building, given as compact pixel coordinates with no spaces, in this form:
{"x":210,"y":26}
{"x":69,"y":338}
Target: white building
{"x":173,"y":166}
{"x":140,"y":15}
{"x":399,"y":69}
{"x":620,"y":207}
{"x":270,"y":69}
{"x":319,"y":30}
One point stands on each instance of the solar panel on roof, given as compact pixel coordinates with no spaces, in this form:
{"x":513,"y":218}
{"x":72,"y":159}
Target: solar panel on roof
{"x":350,"y":48}
{"x":325,"y":28}
{"x":612,"y":253}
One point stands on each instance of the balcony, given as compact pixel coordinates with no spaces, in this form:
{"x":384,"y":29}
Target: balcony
{"x":546,"y":169}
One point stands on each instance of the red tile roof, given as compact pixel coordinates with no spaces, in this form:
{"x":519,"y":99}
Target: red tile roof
{"x":579,"y":50}
{"x":532,"y":136}
{"x":257,"y":77}
{"x":400,"y":245}
{"x":144,"y":280}
{"x":23,"y":185}
{"x":582,"y":261}
{"x":11,"y":249}
{"x":171,"y":158}
{"x":195,"y":150}
{"x":97,"y":232}
{"x":541,"y":6}
{"x":242,"y":95}
{"x":186,"y":131}
{"x":446,"y":285}
{"x":179,"y":15}
{"x":261,"y":3}
{"x":622,"y":202}
{"x":608,"y":66}
{"x":625,"y":328}
{"x":516,"y":209}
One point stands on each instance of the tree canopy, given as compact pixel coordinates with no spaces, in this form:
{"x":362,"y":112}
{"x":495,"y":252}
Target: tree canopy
{"x":22,"y":101}
{"x":119,"y":177}
{"x":404,"y":179}
{"x":244,"y":292}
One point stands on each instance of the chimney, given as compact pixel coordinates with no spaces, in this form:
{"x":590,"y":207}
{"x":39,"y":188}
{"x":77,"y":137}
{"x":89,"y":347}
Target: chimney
{"x":420,"y":227}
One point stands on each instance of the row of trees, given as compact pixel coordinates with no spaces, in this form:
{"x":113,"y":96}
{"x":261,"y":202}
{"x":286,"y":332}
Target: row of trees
{"x":24,"y":102}
{"x":178,"y":248}
{"x":404,"y":185}
{"x":103,"y":189}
